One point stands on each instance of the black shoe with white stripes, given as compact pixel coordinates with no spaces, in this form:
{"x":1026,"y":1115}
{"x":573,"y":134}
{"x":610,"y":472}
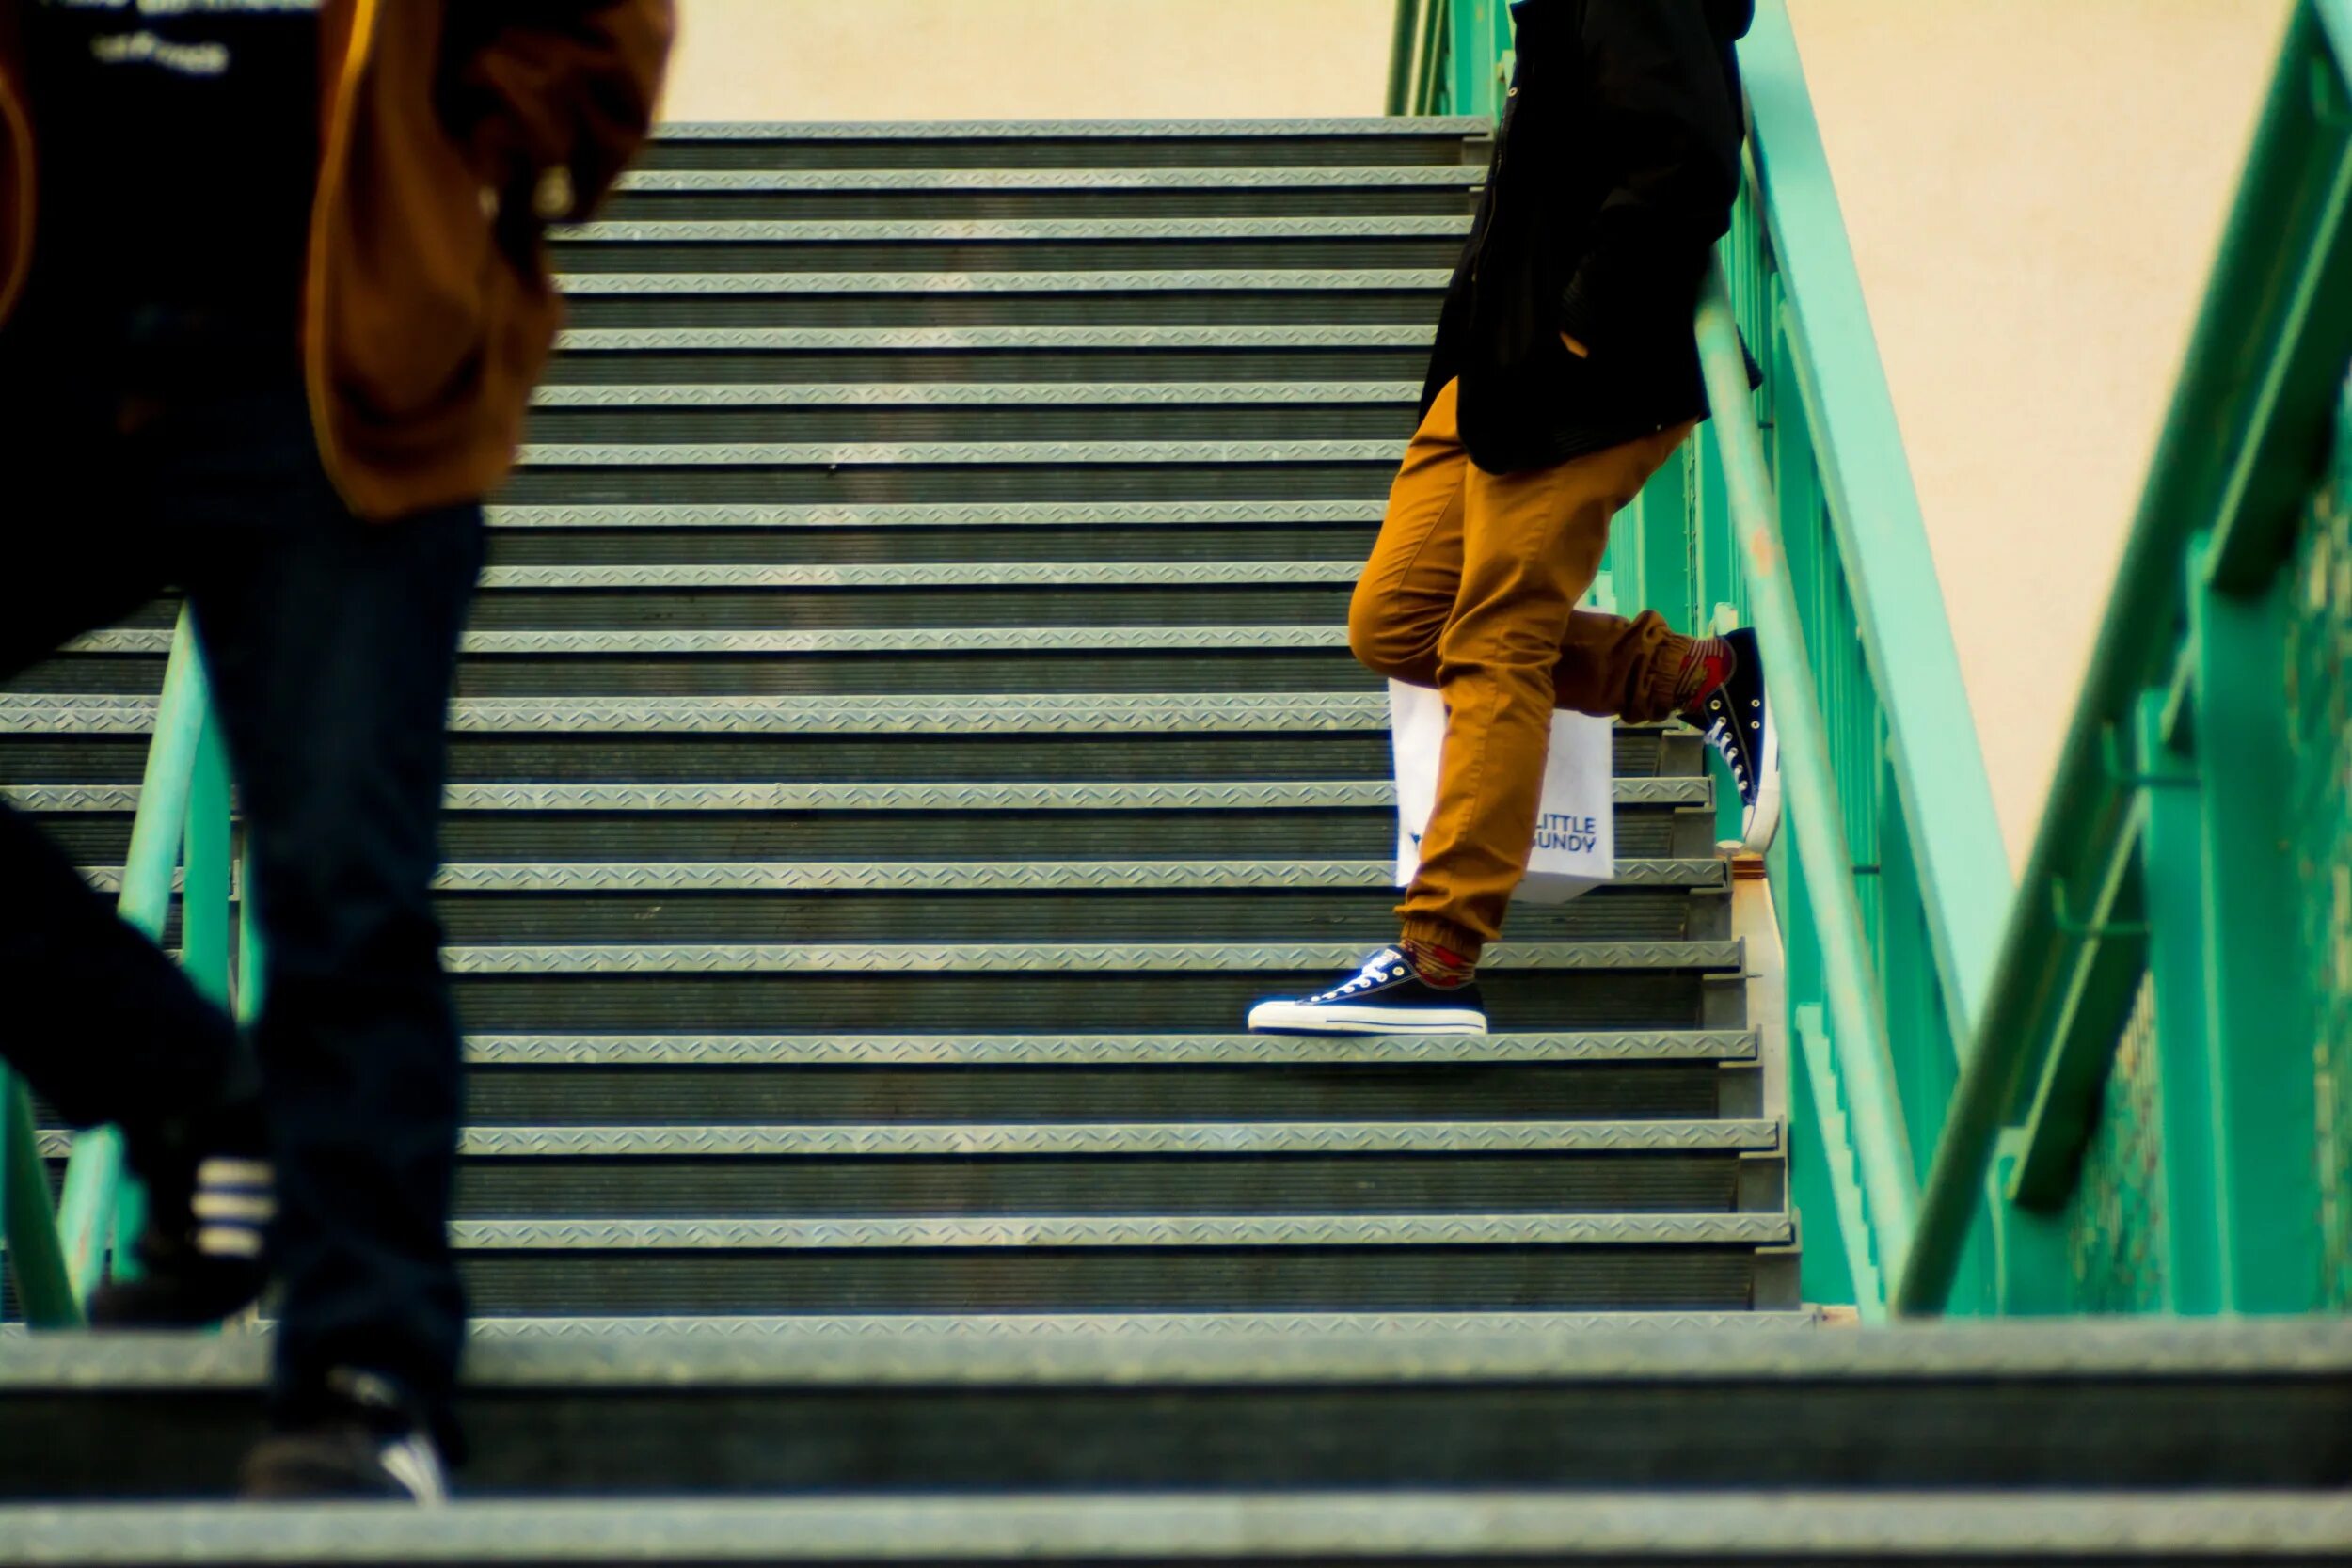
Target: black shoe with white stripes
{"x":211,"y":1195}
{"x":1738,"y":720}
{"x":1384,"y":997}
{"x":363,"y":1439}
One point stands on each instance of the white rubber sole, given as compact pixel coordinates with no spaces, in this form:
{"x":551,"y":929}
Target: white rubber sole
{"x":1293,"y":1017}
{"x":1761,"y":824}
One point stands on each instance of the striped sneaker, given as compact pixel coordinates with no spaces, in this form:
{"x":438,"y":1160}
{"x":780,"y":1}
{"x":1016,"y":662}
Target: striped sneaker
{"x":211,"y":1195}
{"x":1384,"y":997}
{"x":1738,"y":721}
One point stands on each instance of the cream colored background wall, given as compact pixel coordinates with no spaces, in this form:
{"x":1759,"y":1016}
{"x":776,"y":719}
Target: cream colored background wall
{"x":1021,"y":59}
{"x":2034,"y":189}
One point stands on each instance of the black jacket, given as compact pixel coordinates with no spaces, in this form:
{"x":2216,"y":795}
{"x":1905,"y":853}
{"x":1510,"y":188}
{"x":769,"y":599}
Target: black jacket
{"x":1614,"y":175}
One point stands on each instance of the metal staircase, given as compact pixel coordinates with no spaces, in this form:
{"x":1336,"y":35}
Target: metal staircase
{"x":907,"y":719}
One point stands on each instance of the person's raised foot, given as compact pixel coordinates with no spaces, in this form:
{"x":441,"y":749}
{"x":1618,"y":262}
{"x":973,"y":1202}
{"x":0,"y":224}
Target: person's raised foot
{"x":1385,"y":996}
{"x":362,"y":1440}
{"x":210,"y":1194}
{"x":1737,"y":719}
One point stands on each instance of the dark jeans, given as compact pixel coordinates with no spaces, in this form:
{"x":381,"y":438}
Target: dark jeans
{"x":331,"y":646}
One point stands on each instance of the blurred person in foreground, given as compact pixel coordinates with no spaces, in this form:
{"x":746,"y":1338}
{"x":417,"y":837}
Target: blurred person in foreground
{"x":1566,"y":373}
{"x":273,"y":297}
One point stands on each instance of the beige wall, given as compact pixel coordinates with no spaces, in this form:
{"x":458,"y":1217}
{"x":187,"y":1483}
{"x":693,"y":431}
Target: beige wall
{"x":2034,"y":189}
{"x":1028,"y":59}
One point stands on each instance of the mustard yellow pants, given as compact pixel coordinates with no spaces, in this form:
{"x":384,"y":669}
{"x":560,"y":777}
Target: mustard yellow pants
{"x":1472,"y":589}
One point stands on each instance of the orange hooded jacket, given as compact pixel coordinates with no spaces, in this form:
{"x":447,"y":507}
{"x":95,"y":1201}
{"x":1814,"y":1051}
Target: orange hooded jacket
{"x":450,"y":130}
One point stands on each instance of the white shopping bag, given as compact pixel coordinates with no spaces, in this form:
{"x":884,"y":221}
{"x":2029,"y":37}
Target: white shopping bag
{"x":1576,"y":831}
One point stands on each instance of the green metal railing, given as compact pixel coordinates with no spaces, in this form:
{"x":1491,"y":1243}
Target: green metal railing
{"x":1794,"y":509}
{"x":2153,"y":1114}
{"x":180,"y":836}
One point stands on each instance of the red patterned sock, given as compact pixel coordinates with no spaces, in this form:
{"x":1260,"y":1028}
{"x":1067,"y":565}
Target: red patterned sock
{"x":1706,"y":668}
{"x":1439,"y":967}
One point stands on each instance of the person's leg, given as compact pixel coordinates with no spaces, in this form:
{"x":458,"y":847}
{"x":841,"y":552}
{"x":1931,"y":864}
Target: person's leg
{"x":1532,"y":547}
{"x":1639,"y":669}
{"x":1405,"y":594}
{"x":332,"y":645}
{"x":106,"y":1027}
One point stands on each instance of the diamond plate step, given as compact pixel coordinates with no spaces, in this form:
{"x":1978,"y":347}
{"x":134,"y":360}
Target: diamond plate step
{"x":1223,"y":341}
{"x":920,"y":245}
{"x":974,"y":415}
{"x":890,"y":659}
{"x":1065,"y":144}
{"x":961,"y":516}
{"x":1862,"y":1529}
{"x":839,"y":194}
{"x":1220,"y":296}
{"x":702,"y":1081}
{"x":1099,"y":1264}
{"x":1045,"y":1172}
{"x":943,"y":182}
{"x":1103,"y":531}
{"x":1092,"y":901}
{"x":558,"y":824}
{"x":864,"y":356}
{"x":2029,"y":1409}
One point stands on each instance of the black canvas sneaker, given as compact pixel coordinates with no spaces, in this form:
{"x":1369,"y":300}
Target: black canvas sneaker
{"x":364,"y":1441}
{"x":1738,"y":720}
{"x":211,"y":1195}
{"x":1384,"y":997}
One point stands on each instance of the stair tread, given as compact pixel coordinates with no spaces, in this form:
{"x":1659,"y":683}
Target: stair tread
{"x":1462,"y":177}
{"x":1106,"y":513}
{"x":1091,"y":281}
{"x":1371,"y":128}
{"x":947,"y":573}
{"x":958,"y":876}
{"x":1029,"y":1140}
{"x":1303,"y":795}
{"x":1666,"y":1526}
{"x":967,"y":1140}
{"x":853,"y":455}
{"x":1048,"y":712}
{"x":1091,"y":1051}
{"x":879,"y":640}
{"x":965,"y":394}
{"x":1127,"y":1232}
{"x":1054,"y":957}
{"x":997,"y":231}
{"x":1131,"y":337}
{"x":1444,"y":1349}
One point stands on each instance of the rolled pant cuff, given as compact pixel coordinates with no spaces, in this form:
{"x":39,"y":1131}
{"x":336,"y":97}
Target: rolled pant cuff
{"x":1662,"y":692}
{"x":1432,"y":932}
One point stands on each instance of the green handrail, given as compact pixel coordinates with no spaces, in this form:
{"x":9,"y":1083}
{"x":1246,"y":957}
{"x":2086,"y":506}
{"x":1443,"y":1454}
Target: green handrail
{"x":1863,"y":1063}
{"x":2156,"y":871}
{"x":57,"y":1258}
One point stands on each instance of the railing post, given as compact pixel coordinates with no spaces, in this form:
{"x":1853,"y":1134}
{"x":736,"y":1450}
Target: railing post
{"x":89,"y":1211}
{"x":1408,"y":26}
{"x":44,"y":1284}
{"x":2173,"y":873}
{"x":204,"y":887}
{"x":2259,"y":1026}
